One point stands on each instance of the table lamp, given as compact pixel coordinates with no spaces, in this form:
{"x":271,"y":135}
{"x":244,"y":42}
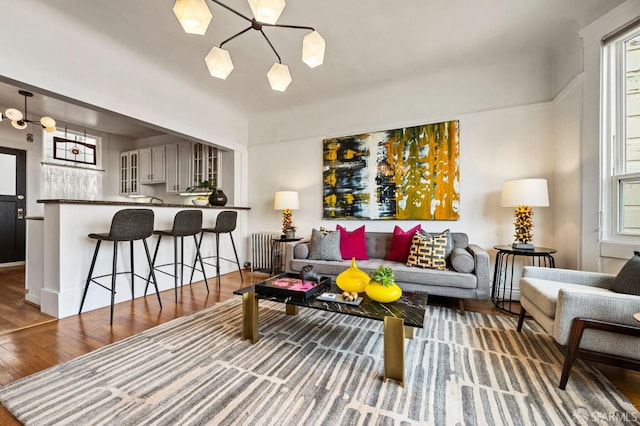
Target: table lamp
{"x":286,"y":201}
{"x":523,"y":194}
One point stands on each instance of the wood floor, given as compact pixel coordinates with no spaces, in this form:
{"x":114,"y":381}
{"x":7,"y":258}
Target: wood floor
{"x":43,"y":345}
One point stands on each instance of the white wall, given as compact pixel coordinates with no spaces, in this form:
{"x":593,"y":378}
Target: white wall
{"x":499,"y":140}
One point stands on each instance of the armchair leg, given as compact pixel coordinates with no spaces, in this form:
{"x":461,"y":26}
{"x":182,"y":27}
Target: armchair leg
{"x":523,"y":314}
{"x":575,"y":335}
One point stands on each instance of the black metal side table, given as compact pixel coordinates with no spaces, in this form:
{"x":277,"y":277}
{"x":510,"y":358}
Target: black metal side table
{"x":276,"y":254}
{"x":502,"y":292}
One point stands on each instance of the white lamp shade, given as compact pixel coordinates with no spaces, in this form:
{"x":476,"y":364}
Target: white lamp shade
{"x":279,"y":77}
{"x":47,"y":122}
{"x":219,"y":63}
{"x":313,"y":47}
{"x":13,"y":114}
{"x":194,"y":15}
{"x":525,"y":192}
{"x":19,"y":124}
{"x":267,"y":11}
{"x":286,"y":200}
{"x":50,"y":129}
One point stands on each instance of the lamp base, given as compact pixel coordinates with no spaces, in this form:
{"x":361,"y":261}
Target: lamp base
{"x":523,"y":246}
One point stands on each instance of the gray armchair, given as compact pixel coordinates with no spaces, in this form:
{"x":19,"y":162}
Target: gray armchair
{"x":580,"y":311}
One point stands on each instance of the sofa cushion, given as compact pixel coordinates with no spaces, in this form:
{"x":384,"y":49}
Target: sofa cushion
{"x":462,"y":261}
{"x":628,"y":279}
{"x":325,"y":247}
{"x":544,"y":293}
{"x":428,"y":252}
{"x":352,"y":244}
{"x":401,"y":243}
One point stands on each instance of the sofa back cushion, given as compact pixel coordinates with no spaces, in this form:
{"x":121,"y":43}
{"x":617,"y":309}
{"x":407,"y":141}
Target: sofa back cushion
{"x":378,"y":243}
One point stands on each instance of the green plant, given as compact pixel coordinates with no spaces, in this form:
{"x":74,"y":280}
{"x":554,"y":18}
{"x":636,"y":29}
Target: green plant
{"x":383,"y":275}
{"x":208,"y":186}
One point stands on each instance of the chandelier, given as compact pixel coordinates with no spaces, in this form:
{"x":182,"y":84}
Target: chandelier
{"x":195,"y":16}
{"x":20,"y":121}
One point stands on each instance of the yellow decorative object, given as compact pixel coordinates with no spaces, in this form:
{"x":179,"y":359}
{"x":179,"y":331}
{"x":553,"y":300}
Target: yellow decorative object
{"x":383,"y":294}
{"x":353,"y":279}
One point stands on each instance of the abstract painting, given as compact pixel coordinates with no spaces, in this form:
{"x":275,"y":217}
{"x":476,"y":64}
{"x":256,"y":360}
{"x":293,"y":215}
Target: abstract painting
{"x":404,"y":174}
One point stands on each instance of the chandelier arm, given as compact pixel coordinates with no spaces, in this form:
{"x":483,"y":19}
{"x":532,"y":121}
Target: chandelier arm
{"x":298,"y":27}
{"x":271,"y":45}
{"x":234,"y":36}
{"x":231,"y":10}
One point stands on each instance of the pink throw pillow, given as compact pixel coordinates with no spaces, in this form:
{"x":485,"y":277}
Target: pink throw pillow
{"x":401,"y":243}
{"x":352,"y":244}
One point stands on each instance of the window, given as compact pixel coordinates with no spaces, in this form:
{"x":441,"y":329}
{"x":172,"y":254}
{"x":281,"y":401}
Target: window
{"x":70,"y":146}
{"x":621,"y":84}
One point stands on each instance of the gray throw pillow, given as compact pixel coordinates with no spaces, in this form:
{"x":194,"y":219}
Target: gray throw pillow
{"x":628,"y":279}
{"x":462,"y":261}
{"x":325,"y":247}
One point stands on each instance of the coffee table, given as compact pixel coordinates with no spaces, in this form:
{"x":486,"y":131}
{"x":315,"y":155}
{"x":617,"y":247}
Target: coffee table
{"x":399,"y":319}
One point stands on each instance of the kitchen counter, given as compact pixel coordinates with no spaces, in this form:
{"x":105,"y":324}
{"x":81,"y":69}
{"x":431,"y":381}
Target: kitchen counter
{"x":134,"y":203}
{"x":59,"y":252}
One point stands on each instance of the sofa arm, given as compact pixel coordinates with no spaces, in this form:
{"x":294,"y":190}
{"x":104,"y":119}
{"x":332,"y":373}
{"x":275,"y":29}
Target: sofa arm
{"x":482,"y":271}
{"x":591,"y":279}
{"x":599,"y":305}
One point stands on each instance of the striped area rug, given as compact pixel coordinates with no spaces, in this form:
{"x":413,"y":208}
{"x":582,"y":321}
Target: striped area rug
{"x":317,"y":368}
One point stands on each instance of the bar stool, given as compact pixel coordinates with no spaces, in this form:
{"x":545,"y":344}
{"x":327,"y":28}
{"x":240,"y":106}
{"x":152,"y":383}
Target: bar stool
{"x":225,"y":224}
{"x":127,"y":225}
{"x":185,"y":223}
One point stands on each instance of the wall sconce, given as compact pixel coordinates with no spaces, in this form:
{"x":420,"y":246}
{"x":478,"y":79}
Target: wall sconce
{"x":524,"y":194}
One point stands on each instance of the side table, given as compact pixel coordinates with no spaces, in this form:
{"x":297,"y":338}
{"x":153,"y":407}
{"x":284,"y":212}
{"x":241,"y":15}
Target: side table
{"x":502,"y":292}
{"x":276,"y":254}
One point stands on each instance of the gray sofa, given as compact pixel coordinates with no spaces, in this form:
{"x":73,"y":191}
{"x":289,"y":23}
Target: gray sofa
{"x":449,"y":283}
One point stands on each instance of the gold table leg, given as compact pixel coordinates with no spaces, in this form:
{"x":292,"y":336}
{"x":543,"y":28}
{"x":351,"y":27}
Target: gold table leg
{"x":408,"y":332}
{"x":250,"y":317}
{"x":394,"y":330}
{"x":291,"y":309}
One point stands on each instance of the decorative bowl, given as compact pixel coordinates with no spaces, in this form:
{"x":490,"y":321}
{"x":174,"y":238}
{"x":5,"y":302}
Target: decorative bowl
{"x":200,"y":203}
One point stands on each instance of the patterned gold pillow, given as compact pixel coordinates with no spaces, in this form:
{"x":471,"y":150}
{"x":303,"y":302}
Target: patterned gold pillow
{"x":428,"y":252}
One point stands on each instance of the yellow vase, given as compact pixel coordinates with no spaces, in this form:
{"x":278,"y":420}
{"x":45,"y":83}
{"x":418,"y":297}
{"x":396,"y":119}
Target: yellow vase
{"x":353,"y":278}
{"x":383,"y":294}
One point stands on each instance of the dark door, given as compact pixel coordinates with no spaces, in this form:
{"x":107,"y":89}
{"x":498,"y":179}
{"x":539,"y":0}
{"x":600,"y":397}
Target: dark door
{"x":13,"y":185}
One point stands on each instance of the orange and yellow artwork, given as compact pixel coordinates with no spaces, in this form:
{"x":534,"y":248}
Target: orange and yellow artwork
{"x":407,"y":174}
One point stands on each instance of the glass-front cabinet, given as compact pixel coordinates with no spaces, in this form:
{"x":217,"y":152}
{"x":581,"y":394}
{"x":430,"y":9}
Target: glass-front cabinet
{"x":205,"y":164}
{"x":129,"y":173}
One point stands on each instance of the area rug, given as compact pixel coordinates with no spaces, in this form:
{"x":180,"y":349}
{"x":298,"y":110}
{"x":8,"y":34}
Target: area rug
{"x":317,"y":368}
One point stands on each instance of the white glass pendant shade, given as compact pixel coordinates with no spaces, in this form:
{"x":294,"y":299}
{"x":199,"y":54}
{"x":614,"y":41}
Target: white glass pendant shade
{"x":194,"y":15}
{"x":13,"y":114}
{"x":219,"y":63}
{"x":279,"y":77}
{"x":313,"y":46}
{"x":50,"y":129}
{"x":19,"y":124}
{"x":48,"y":122}
{"x":267,"y":11}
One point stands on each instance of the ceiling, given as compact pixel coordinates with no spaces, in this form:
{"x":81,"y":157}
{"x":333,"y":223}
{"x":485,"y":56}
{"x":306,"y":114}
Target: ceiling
{"x":369,"y":42}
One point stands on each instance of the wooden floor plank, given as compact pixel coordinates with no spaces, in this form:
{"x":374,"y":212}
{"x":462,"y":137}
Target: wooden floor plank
{"x":33,"y":349}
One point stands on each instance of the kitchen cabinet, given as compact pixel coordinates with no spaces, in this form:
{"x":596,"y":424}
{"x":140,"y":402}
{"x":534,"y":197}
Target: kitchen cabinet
{"x":178,"y":167}
{"x":152,"y":165}
{"x":204,"y":164}
{"x":129,"y":173}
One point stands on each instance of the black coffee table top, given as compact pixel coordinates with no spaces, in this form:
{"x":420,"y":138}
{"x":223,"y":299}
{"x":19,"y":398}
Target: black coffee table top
{"x":410,"y":307}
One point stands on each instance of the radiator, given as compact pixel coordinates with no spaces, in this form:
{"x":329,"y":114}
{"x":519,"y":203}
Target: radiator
{"x":261,"y":250}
